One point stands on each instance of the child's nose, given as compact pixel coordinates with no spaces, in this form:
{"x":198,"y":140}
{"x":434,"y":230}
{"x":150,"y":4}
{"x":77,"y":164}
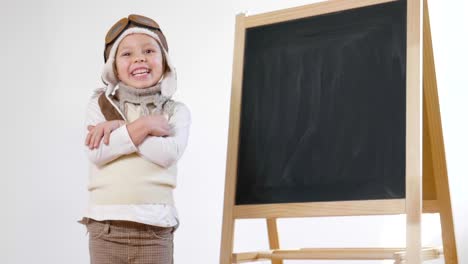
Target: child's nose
{"x":139,"y":58}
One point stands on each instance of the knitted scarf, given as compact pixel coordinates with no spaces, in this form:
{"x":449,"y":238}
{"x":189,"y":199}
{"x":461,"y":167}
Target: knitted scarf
{"x":150,"y":99}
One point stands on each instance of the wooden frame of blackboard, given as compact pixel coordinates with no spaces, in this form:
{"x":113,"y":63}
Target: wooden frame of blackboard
{"x":436,"y":192}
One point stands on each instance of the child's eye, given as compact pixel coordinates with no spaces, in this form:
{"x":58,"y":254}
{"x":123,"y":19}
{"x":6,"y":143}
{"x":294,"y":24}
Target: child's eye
{"x":126,"y":54}
{"x":149,"y":51}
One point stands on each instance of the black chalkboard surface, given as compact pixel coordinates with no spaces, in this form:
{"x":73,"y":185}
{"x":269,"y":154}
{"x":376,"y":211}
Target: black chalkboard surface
{"x":323,"y":108}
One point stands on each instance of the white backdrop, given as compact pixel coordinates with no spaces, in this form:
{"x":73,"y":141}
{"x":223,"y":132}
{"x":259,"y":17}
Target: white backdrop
{"x":51,"y":62}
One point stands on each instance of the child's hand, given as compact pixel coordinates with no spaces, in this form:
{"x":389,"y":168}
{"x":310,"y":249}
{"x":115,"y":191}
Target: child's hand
{"x":104,"y":129}
{"x":157,"y":125}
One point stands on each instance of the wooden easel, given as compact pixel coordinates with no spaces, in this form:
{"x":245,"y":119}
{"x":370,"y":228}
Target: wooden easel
{"x":428,"y":193}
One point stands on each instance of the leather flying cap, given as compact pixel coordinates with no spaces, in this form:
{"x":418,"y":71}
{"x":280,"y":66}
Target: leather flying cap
{"x":128,"y":22}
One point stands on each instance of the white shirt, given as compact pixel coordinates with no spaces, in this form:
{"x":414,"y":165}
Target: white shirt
{"x":154,"y":149}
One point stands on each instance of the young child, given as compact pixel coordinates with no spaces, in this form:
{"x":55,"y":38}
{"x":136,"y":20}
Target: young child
{"x":135,"y":135}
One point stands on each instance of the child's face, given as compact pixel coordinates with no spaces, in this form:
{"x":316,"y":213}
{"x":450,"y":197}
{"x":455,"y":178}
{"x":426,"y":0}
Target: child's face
{"x":139,"y":61}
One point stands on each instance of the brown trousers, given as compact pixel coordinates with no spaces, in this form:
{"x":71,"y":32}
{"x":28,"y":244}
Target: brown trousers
{"x":123,"y":242}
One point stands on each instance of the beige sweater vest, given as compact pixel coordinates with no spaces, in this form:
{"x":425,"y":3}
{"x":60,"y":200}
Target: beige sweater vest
{"x":131,"y":179}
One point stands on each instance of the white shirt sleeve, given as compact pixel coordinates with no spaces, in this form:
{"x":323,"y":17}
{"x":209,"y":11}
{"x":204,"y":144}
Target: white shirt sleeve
{"x":164,"y":151}
{"x":120,"y":142}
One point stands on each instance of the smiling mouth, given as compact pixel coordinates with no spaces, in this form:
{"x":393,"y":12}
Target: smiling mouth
{"x":140,"y":72}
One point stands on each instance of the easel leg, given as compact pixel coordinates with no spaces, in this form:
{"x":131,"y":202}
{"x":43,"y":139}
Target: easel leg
{"x":413,"y":171}
{"x":227,"y":236}
{"x":436,"y":144}
{"x":273,"y":237}
{"x":227,"y":240}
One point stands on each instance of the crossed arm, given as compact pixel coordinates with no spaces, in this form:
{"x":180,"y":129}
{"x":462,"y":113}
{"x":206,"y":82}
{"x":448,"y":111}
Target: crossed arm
{"x":153,"y":137}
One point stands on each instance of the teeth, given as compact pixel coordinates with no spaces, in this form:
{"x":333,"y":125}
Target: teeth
{"x":140,"y":71}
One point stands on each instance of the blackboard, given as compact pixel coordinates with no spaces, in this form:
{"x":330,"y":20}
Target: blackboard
{"x":323,"y":110}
